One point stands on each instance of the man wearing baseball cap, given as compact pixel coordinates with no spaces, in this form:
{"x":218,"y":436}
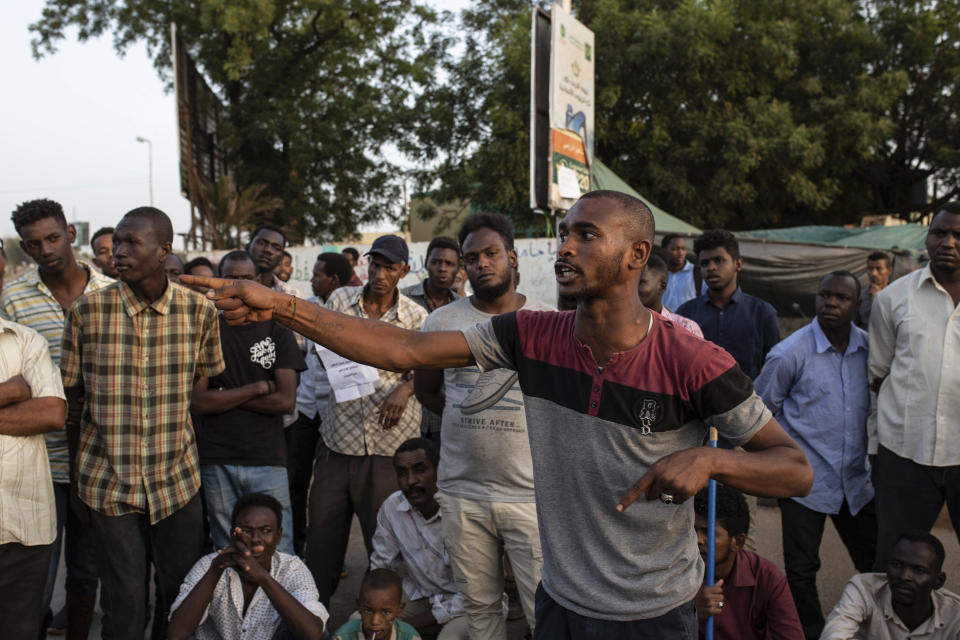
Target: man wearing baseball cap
{"x":353,"y":472}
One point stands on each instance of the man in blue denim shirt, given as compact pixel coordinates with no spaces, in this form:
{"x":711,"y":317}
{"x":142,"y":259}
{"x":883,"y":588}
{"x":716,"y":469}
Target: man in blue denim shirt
{"x":743,"y":325}
{"x":815,"y":383}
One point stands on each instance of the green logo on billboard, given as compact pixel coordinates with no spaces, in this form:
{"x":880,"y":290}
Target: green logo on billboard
{"x":586,"y":51}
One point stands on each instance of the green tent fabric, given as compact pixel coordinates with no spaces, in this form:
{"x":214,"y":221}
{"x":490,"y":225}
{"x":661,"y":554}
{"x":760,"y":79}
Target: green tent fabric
{"x":605,"y":178}
{"x":907,"y":237}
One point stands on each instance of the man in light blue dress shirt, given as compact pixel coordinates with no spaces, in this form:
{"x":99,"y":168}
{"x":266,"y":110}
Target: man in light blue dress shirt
{"x":815,"y":383}
{"x":681,"y":285}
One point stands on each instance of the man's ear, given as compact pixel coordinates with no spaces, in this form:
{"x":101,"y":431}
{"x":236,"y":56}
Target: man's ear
{"x":941,"y":580}
{"x":513,"y":259}
{"x":403,"y":605}
{"x":405,"y":271}
{"x":739,"y":541}
{"x":639,"y":254}
{"x":72,"y":233}
{"x":738,"y":264}
{"x":663,"y":285}
{"x":166,"y":249}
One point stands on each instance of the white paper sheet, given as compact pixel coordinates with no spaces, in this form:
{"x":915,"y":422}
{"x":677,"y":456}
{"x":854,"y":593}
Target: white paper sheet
{"x":349,"y":380}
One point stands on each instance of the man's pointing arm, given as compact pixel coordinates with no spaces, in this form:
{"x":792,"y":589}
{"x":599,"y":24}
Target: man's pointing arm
{"x":370,"y":342}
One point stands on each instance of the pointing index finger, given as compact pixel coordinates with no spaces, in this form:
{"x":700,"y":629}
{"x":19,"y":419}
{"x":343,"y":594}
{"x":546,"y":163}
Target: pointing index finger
{"x":217,"y":287}
{"x":637,"y":490}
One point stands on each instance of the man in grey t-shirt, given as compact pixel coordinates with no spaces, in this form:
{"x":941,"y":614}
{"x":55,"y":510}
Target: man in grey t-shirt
{"x":486,"y":472}
{"x":618,"y":571}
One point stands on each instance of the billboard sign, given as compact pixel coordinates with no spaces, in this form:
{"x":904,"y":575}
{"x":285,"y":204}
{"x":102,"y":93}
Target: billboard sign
{"x":572,"y":93}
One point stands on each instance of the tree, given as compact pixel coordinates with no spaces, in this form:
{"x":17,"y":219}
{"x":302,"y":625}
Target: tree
{"x":315,"y":91}
{"x":231,"y":211}
{"x":737,"y":113}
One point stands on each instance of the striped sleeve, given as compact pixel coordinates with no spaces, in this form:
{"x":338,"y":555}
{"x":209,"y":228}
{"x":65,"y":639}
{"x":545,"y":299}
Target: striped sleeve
{"x":495,"y":343}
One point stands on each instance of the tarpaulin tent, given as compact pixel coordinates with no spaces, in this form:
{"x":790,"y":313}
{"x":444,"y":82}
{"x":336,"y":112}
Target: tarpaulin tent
{"x":605,"y":178}
{"x":907,"y":237}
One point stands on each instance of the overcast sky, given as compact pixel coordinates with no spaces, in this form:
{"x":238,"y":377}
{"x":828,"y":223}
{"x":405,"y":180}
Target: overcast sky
{"x":69,"y":124}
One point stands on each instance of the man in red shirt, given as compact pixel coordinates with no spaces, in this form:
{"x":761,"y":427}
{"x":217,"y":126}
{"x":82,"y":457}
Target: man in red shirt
{"x":751,"y":598}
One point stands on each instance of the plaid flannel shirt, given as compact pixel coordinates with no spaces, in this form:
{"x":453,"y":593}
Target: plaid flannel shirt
{"x":137,"y":362}
{"x":351,"y":427}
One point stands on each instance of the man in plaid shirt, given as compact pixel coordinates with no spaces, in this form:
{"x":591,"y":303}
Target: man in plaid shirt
{"x":130,"y":355}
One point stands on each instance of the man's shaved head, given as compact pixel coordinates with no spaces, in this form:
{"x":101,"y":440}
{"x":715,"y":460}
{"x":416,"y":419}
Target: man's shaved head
{"x":637,"y":217}
{"x":158,"y":220}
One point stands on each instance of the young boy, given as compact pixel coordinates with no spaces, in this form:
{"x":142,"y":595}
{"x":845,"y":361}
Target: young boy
{"x":380,"y":606}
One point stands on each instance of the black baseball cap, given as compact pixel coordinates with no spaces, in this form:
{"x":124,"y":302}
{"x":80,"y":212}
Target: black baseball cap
{"x":393,"y":248}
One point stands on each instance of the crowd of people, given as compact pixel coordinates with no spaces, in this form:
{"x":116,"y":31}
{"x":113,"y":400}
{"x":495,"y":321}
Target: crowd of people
{"x":197,"y":431}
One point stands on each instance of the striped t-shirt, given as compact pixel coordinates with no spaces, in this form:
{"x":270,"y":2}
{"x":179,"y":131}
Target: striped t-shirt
{"x":29,"y":302}
{"x":594,"y":431}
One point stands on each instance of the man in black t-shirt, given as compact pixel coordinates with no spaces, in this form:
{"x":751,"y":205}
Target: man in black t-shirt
{"x":241,"y":443}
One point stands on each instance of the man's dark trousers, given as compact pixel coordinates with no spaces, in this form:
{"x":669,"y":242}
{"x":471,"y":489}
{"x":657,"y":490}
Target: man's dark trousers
{"x":802,"y":534}
{"x":910,"y":496}
{"x":302,"y":437}
{"x":554,"y":622}
{"x":23,"y":576}
{"x":123,"y":543}
{"x":343,"y":486}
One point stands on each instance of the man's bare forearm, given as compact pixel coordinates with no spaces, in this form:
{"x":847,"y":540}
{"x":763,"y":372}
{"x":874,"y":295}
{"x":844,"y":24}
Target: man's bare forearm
{"x":780,"y":471}
{"x":33,"y":416}
{"x":372,"y":342}
{"x":13,"y":391}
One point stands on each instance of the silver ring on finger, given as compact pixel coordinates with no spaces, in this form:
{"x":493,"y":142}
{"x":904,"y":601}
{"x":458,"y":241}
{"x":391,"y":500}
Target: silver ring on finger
{"x":666,"y":498}
{"x":720,"y":605}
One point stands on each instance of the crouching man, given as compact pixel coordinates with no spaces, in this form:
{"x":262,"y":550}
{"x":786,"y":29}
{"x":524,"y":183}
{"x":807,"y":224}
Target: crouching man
{"x":249,"y":589}
{"x":905,"y":602}
{"x":409,"y":533}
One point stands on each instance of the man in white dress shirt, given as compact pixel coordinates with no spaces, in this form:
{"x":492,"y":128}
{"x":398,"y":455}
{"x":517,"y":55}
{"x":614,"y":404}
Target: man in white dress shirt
{"x":914,"y":366}
{"x":249,"y":590}
{"x":31,"y":403}
{"x":409,"y":533}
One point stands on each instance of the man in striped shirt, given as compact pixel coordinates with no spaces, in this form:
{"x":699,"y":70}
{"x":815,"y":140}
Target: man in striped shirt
{"x":131,"y":353}
{"x":38,"y":299}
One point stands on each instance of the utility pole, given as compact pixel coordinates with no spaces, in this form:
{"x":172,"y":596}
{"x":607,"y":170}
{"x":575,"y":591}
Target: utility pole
{"x":150,"y":165}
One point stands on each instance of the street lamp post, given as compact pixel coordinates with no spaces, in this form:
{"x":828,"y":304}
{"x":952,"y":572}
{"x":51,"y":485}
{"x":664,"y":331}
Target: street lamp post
{"x":150,"y":160}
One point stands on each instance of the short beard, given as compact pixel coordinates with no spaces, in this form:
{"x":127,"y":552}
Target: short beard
{"x":608,"y":274}
{"x":491,"y":292}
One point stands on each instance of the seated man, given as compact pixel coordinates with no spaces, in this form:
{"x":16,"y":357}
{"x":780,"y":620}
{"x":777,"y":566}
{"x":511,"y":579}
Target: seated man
{"x":380,"y":606}
{"x":409,"y":532}
{"x":279,"y":596}
{"x":653,"y":284}
{"x":751,"y":598}
{"x":905,"y":602}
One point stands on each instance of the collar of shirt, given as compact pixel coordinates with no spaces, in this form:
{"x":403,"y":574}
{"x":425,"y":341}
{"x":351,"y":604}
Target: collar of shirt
{"x":687,"y":267}
{"x":741,"y":575}
{"x":399,"y":310}
{"x":406,"y":506}
{"x":926,"y":275}
{"x":885,"y":600}
{"x":95,"y":279}
{"x":134,"y":305}
{"x":736,"y":297}
{"x":857,"y":341}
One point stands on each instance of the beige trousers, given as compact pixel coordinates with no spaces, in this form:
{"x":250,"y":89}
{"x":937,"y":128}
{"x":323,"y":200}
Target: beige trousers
{"x":476,"y":535}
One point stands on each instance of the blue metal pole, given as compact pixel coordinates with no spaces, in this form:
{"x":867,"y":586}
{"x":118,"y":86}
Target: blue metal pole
{"x":711,"y":533}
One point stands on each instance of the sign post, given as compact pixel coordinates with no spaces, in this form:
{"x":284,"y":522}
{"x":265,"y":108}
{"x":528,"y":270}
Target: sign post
{"x":562,"y":104}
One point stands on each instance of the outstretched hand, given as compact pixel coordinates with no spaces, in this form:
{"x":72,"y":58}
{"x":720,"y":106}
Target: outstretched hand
{"x":679,"y":475}
{"x":241,"y":301}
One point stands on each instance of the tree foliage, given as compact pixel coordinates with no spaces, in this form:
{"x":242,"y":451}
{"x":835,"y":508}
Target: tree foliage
{"x":314,"y":90}
{"x":738,"y":113}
